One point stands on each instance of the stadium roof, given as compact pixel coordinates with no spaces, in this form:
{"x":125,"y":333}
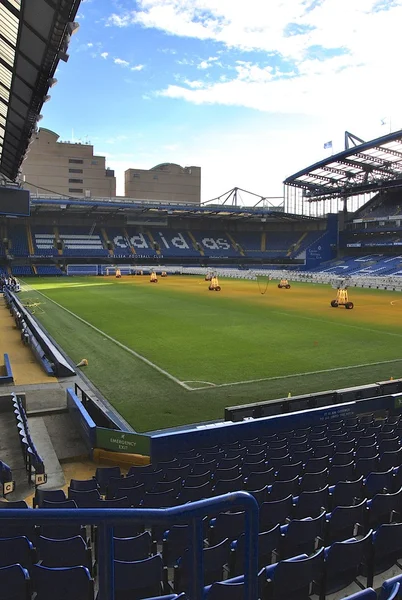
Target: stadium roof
{"x":366,"y":167}
{"x":34,"y":35}
{"x":144,"y":209}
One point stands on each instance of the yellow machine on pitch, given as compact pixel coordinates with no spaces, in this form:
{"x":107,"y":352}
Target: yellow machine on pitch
{"x":342,"y":299}
{"x":284,"y":284}
{"x":214,"y":284}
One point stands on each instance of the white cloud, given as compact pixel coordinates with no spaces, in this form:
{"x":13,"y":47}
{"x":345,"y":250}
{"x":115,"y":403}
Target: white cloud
{"x":121,"y":62}
{"x":365,"y":43}
{"x":137,"y":68}
{"x":206,"y":64}
{"x":89,"y":45}
{"x":105,"y":55}
{"x":196,"y":84}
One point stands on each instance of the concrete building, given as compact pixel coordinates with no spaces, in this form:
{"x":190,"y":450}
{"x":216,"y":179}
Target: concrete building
{"x":66,"y":168}
{"x":166,"y":182}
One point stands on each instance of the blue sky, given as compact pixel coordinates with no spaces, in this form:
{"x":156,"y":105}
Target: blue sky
{"x":250,"y":91}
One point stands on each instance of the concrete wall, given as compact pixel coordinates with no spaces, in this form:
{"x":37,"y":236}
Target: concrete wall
{"x":65,"y":168}
{"x":164,"y":183}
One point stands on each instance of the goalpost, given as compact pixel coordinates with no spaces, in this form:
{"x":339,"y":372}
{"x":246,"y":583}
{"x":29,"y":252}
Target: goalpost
{"x":124,"y":270}
{"x":82,"y":270}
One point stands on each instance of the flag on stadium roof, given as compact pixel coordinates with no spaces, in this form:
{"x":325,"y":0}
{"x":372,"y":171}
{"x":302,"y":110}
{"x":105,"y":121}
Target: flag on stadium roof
{"x":328,"y":145}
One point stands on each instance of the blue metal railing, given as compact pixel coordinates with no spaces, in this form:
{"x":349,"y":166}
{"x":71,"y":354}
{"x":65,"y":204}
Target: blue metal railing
{"x":191,"y":513}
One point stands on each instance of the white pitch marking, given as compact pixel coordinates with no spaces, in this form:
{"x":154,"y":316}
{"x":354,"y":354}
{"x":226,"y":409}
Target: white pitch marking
{"x":219,"y":385}
{"x":209,"y":384}
{"x":126,"y":348}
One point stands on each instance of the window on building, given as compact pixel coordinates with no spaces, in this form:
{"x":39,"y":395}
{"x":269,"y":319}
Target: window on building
{"x":94,"y":162}
{"x":155,"y":177}
{"x":75,"y":181}
{"x":75,"y":161}
{"x":75,"y":171}
{"x":135,"y":175}
{"x":76,"y":190}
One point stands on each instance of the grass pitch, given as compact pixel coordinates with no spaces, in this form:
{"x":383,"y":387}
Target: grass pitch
{"x":175,"y":353}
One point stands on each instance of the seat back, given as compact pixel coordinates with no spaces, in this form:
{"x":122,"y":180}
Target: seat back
{"x":343,"y":561}
{"x":16,"y":578}
{"x":138,"y":579}
{"x":291,"y":579}
{"x":66,"y":583}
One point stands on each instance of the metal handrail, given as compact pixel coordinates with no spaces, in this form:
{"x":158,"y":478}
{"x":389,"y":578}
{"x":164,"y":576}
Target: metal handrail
{"x":192,"y":513}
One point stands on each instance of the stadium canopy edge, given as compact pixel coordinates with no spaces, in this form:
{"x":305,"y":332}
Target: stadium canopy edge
{"x":34,"y":36}
{"x":366,"y":167}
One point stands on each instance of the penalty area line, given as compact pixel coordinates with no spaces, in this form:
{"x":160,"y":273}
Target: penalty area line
{"x":276,"y":378}
{"x":123,"y":346}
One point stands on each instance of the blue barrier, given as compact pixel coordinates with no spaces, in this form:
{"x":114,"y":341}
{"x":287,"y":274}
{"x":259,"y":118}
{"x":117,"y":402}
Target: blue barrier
{"x":8,"y":377}
{"x":192,"y":513}
{"x":170,"y":443}
{"x":59,"y":365}
{"x":82,"y":419}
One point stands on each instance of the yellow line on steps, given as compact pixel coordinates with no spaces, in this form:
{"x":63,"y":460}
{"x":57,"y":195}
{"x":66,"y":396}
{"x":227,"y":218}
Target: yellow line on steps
{"x":26,"y":369}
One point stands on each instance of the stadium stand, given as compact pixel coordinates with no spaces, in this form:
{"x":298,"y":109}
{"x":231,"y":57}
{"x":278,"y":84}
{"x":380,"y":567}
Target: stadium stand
{"x":344,"y":537}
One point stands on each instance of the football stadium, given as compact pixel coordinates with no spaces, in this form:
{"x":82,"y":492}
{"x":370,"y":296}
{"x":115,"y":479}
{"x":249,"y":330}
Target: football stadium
{"x":199,"y":400}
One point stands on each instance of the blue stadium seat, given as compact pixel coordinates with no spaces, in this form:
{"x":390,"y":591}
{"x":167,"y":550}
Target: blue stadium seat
{"x":346,"y":493}
{"x":390,"y":459}
{"x":14,"y":583}
{"x":17,"y":550}
{"x":384,"y":508}
{"x":268,"y":544}
{"x":275,"y":512}
{"x":301,"y":536}
{"x":115,"y":483}
{"x":159,"y":499}
{"x":134,"y":494}
{"x":260,"y":495}
{"x":226,"y":525}
{"x":281,"y":489}
{"x":133,"y":548}
{"x":215,"y":557}
{"x":386,"y":549}
{"x":378,"y":483}
{"x":260,"y":467}
{"x":341,"y":473}
{"x":84,"y":499}
{"x":257,"y":480}
{"x":224,"y":486}
{"x":293,"y":578}
{"x":69,"y":552}
{"x":366,"y":452}
{"x":290,"y":471}
{"x":162,"y":486}
{"x":196,"y":480}
{"x":175,"y":541}
{"x":310,"y":482}
{"x":51,"y":495}
{"x":194,"y":493}
{"x":342,"y":521}
{"x":311,"y":504}
{"x":342,"y":458}
{"x":84,"y":484}
{"x":66,"y":582}
{"x":343,"y":563}
{"x":391,"y":588}
{"x":365,"y":466}
{"x":368,"y":594}
{"x":103,"y":475}
{"x":317,"y":465}
{"x":225,"y":590}
{"x":139,"y":579}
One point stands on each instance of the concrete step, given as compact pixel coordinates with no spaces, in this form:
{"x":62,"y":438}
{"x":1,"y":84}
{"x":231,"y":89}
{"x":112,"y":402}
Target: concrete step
{"x":45,"y":448}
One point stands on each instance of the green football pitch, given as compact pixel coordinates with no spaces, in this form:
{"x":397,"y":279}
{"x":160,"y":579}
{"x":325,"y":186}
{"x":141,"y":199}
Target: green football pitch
{"x":174,"y":353}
